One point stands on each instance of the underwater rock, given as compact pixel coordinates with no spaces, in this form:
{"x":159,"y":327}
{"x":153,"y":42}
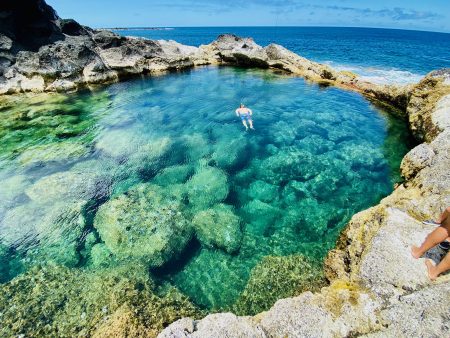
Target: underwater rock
{"x":295,"y":191}
{"x":11,"y":189}
{"x":315,"y":144}
{"x":207,"y":187}
{"x":61,"y":152}
{"x":290,"y":165}
{"x":260,"y":217}
{"x":219,"y":227}
{"x":263,"y":191}
{"x":4,"y":263}
{"x":361,"y":156}
{"x":56,"y":301}
{"x":100,"y":255}
{"x":143,"y":224}
{"x":197,"y":146}
{"x":309,"y":217}
{"x":173,"y":175}
{"x":119,"y":143}
{"x":228,"y":155}
{"x":70,"y":185}
{"x":284,"y":134}
{"x":56,"y":228}
{"x":275,"y":278}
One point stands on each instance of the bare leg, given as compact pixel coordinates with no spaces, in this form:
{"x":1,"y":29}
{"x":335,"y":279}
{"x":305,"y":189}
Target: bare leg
{"x":437,"y":236}
{"x":251,"y":123}
{"x":245,"y":124}
{"x":435,"y":271}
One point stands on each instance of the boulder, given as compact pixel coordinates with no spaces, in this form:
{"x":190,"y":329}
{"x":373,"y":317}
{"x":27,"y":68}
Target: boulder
{"x":415,"y":160}
{"x":70,"y":185}
{"x":214,"y":325}
{"x":263,"y":191}
{"x":219,"y":227}
{"x":143,"y":224}
{"x":57,"y":228}
{"x":275,"y":278}
{"x":207,"y":187}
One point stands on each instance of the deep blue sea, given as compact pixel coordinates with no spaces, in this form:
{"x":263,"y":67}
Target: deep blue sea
{"x":380,"y":55}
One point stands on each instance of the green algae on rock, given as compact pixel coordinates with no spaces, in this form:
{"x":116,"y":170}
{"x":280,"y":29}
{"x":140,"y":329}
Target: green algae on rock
{"x":56,"y":301}
{"x":145,"y":224}
{"x":208,"y":186}
{"x":275,"y":278}
{"x":219,"y":227}
{"x":57,"y":227}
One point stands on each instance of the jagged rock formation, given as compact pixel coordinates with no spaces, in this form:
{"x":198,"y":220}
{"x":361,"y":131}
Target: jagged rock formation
{"x":41,"y":52}
{"x":376,"y":288}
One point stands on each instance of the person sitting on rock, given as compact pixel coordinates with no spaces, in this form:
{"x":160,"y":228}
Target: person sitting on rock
{"x":246,"y":116}
{"x":439,"y":235}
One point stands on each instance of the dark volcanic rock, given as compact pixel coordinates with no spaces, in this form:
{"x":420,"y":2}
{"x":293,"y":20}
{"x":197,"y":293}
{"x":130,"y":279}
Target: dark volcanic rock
{"x":71,"y":27}
{"x":30,"y":24}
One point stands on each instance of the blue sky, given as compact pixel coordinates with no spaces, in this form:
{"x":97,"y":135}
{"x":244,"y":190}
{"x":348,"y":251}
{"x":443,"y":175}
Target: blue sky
{"x":433,"y":15}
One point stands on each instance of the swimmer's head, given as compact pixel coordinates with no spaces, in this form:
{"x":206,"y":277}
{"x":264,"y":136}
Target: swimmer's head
{"x":241,"y":105}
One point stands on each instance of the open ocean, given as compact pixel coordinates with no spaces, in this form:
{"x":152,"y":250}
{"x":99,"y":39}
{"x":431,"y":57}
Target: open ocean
{"x":379,"y":55}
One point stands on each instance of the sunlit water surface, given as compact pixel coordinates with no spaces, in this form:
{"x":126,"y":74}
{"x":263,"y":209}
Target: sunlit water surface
{"x":160,"y":171}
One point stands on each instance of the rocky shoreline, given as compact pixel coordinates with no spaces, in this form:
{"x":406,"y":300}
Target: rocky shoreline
{"x":61,"y":56}
{"x":376,"y":288}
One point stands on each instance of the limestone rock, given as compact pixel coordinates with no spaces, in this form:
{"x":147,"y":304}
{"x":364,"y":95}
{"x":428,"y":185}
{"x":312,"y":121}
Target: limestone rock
{"x":143,"y":224}
{"x":70,"y":185}
{"x":424,"y":120}
{"x":219,"y":227}
{"x":214,"y":326}
{"x":415,"y":160}
{"x":56,"y":227}
{"x":388,"y":269}
{"x":53,"y":152}
{"x":423,"y":313}
{"x":207,"y":187}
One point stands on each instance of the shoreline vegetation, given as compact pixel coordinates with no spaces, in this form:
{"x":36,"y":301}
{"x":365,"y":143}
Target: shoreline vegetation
{"x":375,"y":286}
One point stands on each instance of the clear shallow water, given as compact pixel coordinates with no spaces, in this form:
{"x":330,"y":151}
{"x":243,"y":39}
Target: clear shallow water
{"x":158,"y":174}
{"x":379,"y":55}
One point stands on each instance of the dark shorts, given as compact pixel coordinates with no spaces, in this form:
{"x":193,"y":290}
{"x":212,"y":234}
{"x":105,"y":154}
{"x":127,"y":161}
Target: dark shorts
{"x":245,"y":117}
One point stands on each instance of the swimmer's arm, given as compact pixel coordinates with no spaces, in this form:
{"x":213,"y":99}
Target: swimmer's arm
{"x":237,"y":112}
{"x":250,"y":111}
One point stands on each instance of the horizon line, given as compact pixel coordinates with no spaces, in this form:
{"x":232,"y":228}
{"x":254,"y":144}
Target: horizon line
{"x":268,"y":26}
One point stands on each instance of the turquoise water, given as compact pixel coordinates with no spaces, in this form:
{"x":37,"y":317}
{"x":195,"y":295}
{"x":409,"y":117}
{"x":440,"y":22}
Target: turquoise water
{"x":159,"y":175}
{"x":380,"y":55}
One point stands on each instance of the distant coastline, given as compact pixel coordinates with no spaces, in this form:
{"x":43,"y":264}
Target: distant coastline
{"x":138,"y":28}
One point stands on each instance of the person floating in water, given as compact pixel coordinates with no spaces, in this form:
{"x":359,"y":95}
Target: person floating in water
{"x":246,"y":116}
{"x":440,"y":235}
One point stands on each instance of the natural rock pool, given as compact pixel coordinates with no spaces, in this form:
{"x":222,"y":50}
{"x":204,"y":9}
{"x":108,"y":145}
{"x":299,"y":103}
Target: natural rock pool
{"x":156,"y":177}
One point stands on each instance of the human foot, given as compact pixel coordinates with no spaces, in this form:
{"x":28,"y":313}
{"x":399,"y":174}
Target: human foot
{"x":432,"y":270}
{"x":415,"y":252}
